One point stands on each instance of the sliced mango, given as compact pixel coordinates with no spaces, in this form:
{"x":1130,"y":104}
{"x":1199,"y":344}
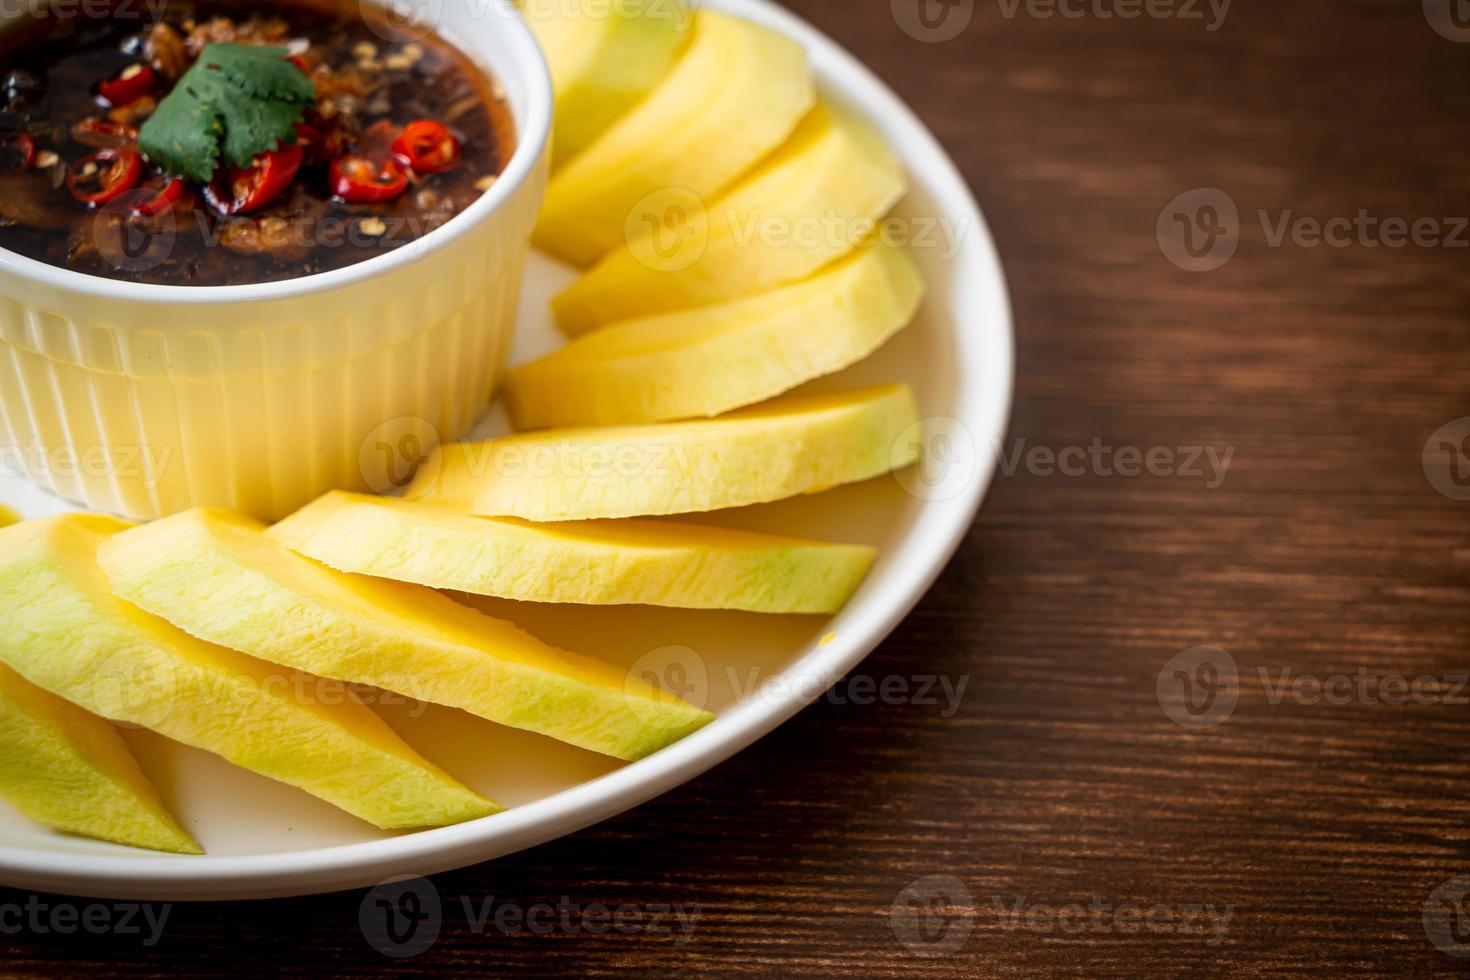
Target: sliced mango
{"x":713,"y":359}
{"x":789,"y":446}
{"x":217,"y":576}
{"x":817,"y":198}
{"x":67,"y":633}
{"x":70,"y":770}
{"x":654,"y":563}
{"x":7,"y":516}
{"x":604,"y":57}
{"x":734,"y":95}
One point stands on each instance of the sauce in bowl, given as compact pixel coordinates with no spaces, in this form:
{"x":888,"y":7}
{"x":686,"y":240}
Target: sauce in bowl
{"x":401,"y":132}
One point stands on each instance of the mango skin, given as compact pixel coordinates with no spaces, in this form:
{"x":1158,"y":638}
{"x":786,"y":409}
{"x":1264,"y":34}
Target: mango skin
{"x":653,"y":563}
{"x":808,"y":204}
{"x":604,"y":57}
{"x":781,"y":448}
{"x":70,"y":770}
{"x":217,"y":576}
{"x":734,"y":95}
{"x":67,"y":633}
{"x":713,"y":359}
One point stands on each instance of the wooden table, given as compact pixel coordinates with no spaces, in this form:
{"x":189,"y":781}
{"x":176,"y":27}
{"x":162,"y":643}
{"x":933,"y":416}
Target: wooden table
{"x":1083,"y":830}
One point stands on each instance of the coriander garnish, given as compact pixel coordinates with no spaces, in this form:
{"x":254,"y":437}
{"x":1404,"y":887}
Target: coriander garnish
{"x":238,"y":101}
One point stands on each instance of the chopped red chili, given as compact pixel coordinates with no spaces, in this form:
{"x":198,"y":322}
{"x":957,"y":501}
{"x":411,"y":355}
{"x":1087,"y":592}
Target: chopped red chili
{"x":365,"y":180}
{"x":240,"y":190}
{"x":427,"y":147}
{"x":103,"y":134}
{"x":135,"y":82}
{"x":17,"y":152}
{"x":169,"y":196}
{"x":104,"y":175}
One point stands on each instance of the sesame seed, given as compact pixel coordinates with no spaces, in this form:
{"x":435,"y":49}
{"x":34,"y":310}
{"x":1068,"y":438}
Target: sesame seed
{"x":46,"y":159}
{"x":485,"y":183}
{"x":398,"y":62}
{"x":131,"y":71}
{"x":372,"y":226}
{"x":364,"y":50}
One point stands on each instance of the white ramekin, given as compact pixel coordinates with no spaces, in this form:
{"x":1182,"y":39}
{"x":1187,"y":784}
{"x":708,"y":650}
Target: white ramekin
{"x":144,"y":400}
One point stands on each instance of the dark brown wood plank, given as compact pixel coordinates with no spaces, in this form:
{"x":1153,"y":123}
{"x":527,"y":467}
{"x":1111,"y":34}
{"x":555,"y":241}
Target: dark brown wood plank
{"x":1323,"y":829}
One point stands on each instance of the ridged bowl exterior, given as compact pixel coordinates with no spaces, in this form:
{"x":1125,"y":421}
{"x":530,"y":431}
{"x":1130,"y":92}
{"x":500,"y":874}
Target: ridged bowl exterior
{"x":144,"y":408}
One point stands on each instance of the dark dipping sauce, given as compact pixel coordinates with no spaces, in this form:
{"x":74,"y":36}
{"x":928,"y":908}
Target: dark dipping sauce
{"x":368,"y":89}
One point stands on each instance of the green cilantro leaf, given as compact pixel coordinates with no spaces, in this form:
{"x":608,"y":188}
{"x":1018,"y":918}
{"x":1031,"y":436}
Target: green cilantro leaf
{"x":263,"y":73}
{"x":182,"y":136}
{"x":238,"y":101}
{"x":253,"y":126}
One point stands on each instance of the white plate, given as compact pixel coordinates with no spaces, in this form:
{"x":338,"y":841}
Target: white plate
{"x":266,"y":839}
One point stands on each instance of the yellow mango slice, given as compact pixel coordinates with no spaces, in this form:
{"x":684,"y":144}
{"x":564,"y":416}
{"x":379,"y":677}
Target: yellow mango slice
{"x":814,"y":200}
{"x":67,"y":769}
{"x":654,"y":563}
{"x":710,"y":360}
{"x":604,"y":57}
{"x":7,"y":516}
{"x":789,"y":446}
{"x":734,"y":95}
{"x":69,"y":634}
{"x":217,"y":576}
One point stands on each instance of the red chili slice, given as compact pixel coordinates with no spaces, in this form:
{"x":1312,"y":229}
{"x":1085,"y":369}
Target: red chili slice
{"x":17,"y":152}
{"x":364,"y":180}
{"x":135,"y":82}
{"x":168,"y":196}
{"x":427,"y":147}
{"x":103,"y":134}
{"x":104,"y":175}
{"x":239,"y":190}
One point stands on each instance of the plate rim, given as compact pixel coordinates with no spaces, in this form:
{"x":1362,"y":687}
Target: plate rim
{"x":346,"y":866}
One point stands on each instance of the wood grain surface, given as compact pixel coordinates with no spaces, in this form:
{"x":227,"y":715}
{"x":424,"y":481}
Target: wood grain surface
{"x":1082,"y":829}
